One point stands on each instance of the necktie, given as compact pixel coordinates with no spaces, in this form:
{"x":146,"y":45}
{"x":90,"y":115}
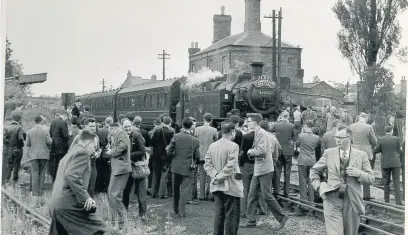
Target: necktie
{"x":344,"y":156}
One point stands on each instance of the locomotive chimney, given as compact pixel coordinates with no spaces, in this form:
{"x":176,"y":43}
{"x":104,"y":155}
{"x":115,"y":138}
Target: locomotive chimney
{"x":257,"y":69}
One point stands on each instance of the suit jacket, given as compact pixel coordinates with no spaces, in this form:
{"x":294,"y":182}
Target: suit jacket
{"x":75,"y":111}
{"x":71,"y":183}
{"x":138,"y":151}
{"x":390,"y":149}
{"x":247,"y":143}
{"x":160,"y":139}
{"x":183,"y":150}
{"x":206,"y":135}
{"x":285,"y":133}
{"x":59,"y":135}
{"x":262,"y":150}
{"x":38,"y":143}
{"x":330,"y":161}
{"x":364,"y":138}
{"x":120,"y":154}
{"x":222,"y":159}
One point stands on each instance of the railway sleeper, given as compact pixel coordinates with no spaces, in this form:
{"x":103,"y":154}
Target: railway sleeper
{"x":371,"y":226}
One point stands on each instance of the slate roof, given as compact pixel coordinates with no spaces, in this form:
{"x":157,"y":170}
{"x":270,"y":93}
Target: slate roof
{"x":135,"y":80}
{"x":251,"y":39}
{"x":310,"y":85}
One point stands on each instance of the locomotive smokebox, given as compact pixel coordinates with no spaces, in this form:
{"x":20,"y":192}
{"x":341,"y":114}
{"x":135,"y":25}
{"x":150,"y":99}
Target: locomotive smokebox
{"x":257,"y":68}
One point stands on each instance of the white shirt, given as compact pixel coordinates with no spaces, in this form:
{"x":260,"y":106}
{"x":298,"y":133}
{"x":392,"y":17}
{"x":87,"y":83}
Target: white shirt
{"x":347,"y":156}
{"x":297,"y":116}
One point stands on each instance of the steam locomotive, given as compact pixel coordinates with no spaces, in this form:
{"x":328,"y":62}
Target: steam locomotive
{"x":236,"y":92}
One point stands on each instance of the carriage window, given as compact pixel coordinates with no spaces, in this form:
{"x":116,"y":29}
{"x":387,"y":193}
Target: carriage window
{"x":158,"y":101}
{"x":165,"y":100}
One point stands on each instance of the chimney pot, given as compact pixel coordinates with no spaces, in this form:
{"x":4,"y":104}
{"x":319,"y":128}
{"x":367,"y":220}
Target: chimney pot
{"x":192,"y":44}
{"x":196,"y":45}
{"x":222,"y":10}
{"x":153,"y":78}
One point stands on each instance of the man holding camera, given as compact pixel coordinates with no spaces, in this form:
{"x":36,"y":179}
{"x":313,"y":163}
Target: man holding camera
{"x":261,"y":182}
{"x":347,"y":169}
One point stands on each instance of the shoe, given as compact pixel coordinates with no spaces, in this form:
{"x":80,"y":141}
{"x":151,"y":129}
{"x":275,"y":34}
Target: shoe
{"x":163,"y":197}
{"x":192,"y":202}
{"x":283,"y":222}
{"x":368,"y":198}
{"x":248,"y":225}
{"x":212,"y":199}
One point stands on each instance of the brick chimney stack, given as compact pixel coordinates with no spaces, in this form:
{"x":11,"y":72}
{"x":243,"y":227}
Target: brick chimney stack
{"x":193,"y":49}
{"x":222,"y":26}
{"x":252,"y":16}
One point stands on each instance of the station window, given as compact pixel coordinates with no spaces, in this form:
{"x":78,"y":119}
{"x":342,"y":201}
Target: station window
{"x":224,"y":65}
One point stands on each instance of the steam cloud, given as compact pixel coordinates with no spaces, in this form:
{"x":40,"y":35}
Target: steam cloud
{"x":203,"y":75}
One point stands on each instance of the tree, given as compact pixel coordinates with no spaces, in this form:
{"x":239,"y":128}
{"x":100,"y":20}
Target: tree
{"x":370,"y":34}
{"x":316,"y":79}
{"x":344,"y":87}
{"x":13,"y":68}
{"x":383,"y":100}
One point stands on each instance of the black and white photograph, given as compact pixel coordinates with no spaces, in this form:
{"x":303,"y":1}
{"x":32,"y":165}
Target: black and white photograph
{"x":203,"y":117}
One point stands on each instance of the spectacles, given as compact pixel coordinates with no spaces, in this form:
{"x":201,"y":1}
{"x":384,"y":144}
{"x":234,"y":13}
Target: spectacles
{"x":340,"y":137}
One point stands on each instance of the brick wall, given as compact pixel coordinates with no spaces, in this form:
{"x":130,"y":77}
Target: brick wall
{"x":291,"y":60}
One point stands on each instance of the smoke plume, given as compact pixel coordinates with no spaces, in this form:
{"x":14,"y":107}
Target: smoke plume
{"x":203,"y":75}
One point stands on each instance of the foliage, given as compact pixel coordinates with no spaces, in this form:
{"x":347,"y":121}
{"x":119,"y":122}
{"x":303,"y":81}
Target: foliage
{"x":342,"y":86}
{"x":370,"y":32}
{"x":316,"y":79}
{"x":377,"y":92}
{"x":13,"y":68}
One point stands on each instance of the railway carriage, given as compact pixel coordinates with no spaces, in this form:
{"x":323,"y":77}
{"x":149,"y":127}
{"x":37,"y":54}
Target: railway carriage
{"x":237,"y":91}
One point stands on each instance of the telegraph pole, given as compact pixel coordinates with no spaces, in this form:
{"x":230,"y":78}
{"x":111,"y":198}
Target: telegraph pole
{"x":103,"y":82}
{"x":164,"y":58}
{"x":276,"y":65}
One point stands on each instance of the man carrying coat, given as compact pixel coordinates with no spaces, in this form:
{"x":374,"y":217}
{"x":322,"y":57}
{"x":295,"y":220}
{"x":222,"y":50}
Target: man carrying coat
{"x":71,"y":207}
{"x":347,"y":168}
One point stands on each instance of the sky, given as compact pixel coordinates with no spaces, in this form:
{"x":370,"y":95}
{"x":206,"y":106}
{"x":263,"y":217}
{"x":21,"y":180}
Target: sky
{"x":79,"y":43}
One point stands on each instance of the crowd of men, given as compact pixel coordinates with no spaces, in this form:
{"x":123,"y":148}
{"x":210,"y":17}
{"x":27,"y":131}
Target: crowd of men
{"x":238,"y":167}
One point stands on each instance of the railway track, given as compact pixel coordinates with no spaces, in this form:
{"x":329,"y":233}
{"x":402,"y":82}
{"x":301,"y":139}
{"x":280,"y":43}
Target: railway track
{"x":28,"y":212}
{"x":369,"y":223}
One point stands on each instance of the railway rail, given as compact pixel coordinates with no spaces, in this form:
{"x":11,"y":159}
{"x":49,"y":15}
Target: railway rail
{"x":369,"y":223}
{"x":29,"y":213}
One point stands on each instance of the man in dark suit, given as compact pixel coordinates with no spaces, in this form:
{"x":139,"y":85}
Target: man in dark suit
{"x":364,"y":139}
{"x":102,"y":163}
{"x":285,"y":133}
{"x":60,"y":139}
{"x":184,"y":153}
{"x":76,"y":109}
{"x":119,"y":153}
{"x":70,"y":204}
{"x":390,"y":149}
{"x":161,"y":165}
